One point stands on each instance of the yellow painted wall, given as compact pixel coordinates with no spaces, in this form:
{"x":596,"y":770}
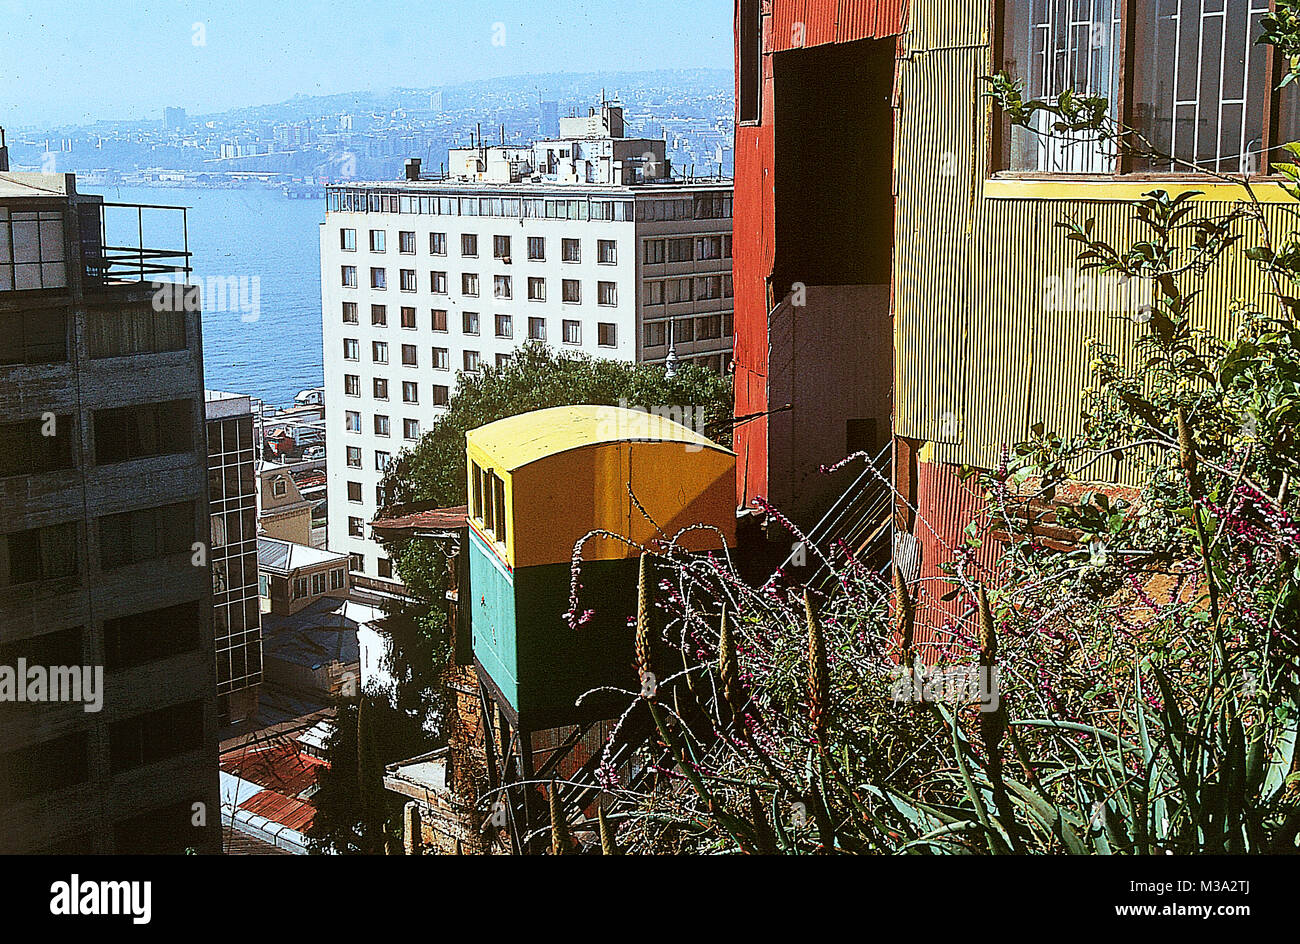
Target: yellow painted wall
{"x":551,"y":502}
{"x":979,"y":357}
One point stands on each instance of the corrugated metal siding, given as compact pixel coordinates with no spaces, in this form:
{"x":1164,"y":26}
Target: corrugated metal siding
{"x":833,"y":21}
{"x":945,"y":505}
{"x":970,"y":273}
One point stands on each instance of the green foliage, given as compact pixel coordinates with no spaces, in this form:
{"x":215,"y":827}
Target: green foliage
{"x":432,"y":473}
{"x":354,"y":813}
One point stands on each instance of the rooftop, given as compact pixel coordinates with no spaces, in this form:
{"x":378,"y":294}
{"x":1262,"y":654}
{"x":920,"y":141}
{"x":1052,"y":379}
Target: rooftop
{"x":284,"y":557}
{"x":25,"y":185}
{"x":516,"y":441}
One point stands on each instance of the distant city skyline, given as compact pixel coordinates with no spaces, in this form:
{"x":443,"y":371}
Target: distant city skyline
{"x":66,"y":63}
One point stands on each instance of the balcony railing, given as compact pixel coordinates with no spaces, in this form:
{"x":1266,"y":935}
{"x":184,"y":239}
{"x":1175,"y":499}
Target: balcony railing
{"x":115,"y":251}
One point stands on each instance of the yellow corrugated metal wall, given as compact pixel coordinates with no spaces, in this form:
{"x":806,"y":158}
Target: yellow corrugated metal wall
{"x":979,"y":357}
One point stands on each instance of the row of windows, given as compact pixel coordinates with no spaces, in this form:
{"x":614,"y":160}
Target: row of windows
{"x":502,"y":287}
{"x":570,"y":247}
{"x":697,"y":288}
{"x":129,"y":537}
{"x":383,"y":427}
{"x":687,"y":249}
{"x":383,"y":460}
{"x":488,"y":494}
{"x":44,"y":444}
{"x":40,"y":336}
{"x":352,"y":200}
{"x":313,"y":585}
{"x":704,"y":328}
{"x":503,"y":327}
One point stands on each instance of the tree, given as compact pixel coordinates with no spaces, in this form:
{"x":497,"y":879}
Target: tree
{"x":354,"y":813}
{"x":432,"y":473}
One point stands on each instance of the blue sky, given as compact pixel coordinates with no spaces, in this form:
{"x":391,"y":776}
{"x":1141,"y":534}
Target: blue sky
{"x":76,"y":60}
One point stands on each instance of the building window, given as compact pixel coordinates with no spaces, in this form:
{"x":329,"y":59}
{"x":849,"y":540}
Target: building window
{"x":501,"y":287}
{"x":147,"y":534}
{"x":681,"y":250}
{"x":749,"y":64}
{"x":709,"y":247}
{"x":279,"y":488}
{"x":408,"y":317}
{"x":655,"y":334}
{"x":379,"y":315}
{"x":354,"y":491}
{"x":570,"y":250}
{"x":381,"y":388}
{"x":572,"y":331}
{"x":351,"y":349}
{"x":378,"y":279}
{"x":356,"y":529}
{"x":381,"y":425}
{"x":137,"y":432}
{"x":537,"y":248}
{"x":438,"y":282}
{"x":407,"y":280}
{"x":336,"y":578}
{"x":441,"y":359}
{"x":351,"y":385}
{"x":406,"y":243}
{"x":472,"y":361}
{"x":501,"y":247}
{"x":379,"y":352}
{"x":354,"y":455}
{"x":376,"y":240}
{"x":469,"y":284}
{"x":505,"y":326}
{"x":684,"y":329}
{"x":381,"y":460}
{"x":707,"y":329}
{"x":606,"y":334}
{"x":317,"y":584}
{"x":39,"y":554}
{"x":410,"y":391}
{"x":606,"y":251}
{"x":654,"y":251}
{"x":356,"y":562}
{"x":536,"y":289}
{"x":438,"y":319}
{"x":410,"y":429}
{"x":469,"y":322}
{"x":571,"y":290}
{"x":469,"y":245}
{"x":654,"y":293}
{"x":349,"y":276}
{"x":437,"y":244}
{"x":348,"y":240}
{"x":350,"y":313}
{"x":441,"y":395}
{"x":353,"y":421}
{"x":385,"y":567}
{"x":537,"y":329}
{"x":677,"y":290}
{"x":606,"y":293}
{"x":1199,"y":84}
{"x":409,"y":358}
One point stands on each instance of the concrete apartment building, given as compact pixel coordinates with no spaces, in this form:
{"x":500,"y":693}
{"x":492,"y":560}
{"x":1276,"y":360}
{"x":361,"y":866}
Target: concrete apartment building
{"x":103,"y":503}
{"x":232,"y":505}
{"x":586,"y":242}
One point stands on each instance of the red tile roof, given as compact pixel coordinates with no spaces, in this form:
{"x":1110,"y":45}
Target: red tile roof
{"x":432,"y":518}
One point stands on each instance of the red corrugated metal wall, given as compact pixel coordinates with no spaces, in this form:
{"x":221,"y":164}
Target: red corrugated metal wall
{"x":754,"y":225}
{"x":945,"y":504}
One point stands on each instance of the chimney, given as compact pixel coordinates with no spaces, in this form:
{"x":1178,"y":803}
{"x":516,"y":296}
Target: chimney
{"x":412,"y":168}
{"x":4,"y":151}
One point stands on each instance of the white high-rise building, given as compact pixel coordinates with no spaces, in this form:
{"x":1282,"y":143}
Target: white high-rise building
{"x":584,"y":242}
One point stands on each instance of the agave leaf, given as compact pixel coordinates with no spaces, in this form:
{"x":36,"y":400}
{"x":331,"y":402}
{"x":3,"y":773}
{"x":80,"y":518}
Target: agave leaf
{"x":1282,"y":756}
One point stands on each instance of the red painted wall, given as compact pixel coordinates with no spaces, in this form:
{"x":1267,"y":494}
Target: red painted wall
{"x":754,"y":224}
